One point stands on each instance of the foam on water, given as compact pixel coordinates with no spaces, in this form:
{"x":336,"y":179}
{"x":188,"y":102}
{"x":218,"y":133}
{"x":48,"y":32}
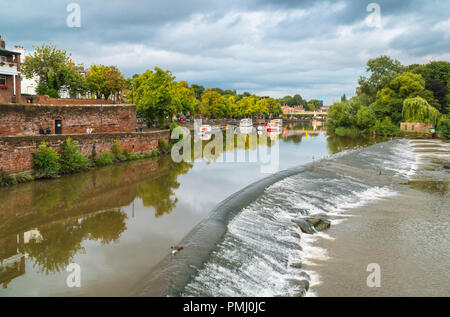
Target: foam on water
{"x":262,"y":247}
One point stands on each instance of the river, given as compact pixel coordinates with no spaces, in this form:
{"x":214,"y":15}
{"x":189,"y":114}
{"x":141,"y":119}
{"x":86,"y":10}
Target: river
{"x":118,"y":223}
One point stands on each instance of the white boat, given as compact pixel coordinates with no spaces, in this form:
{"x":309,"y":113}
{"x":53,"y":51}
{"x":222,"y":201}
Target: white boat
{"x":273,"y":127}
{"x":205,"y":128}
{"x":246,"y":130}
{"x":246,"y":123}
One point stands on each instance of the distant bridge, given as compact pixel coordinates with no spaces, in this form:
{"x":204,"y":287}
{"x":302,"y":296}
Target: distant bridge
{"x":315,"y":113}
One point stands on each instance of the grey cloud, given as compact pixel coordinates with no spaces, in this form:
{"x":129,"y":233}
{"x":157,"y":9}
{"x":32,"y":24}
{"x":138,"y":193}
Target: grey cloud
{"x":257,"y":45}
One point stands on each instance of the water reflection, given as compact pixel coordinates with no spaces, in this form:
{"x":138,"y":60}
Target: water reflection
{"x":48,"y":223}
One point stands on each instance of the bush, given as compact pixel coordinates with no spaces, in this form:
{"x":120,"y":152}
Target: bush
{"x":117,"y":149}
{"x":386,"y":127}
{"x":444,"y":126}
{"x":6,"y":179}
{"x":106,"y":158}
{"x":46,"y":162}
{"x":163,"y":146}
{"x":341,"y":131}
{"x":72,"y":160}
{"x":24,"y":178}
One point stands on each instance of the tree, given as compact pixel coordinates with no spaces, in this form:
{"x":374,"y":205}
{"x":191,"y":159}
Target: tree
{"x":105,"y":81}
{"x":186,"y":99}
{"x":437,"y":80}
{"x":365,"y":118}
{"x":313,"y":105}
{"x":418,"y":110}
{"x":75,"y":82}
{"x":210,"y":104}
{"x":154,"y":95}
{"x":198,"y":90}
{"x":390,"y":99}
{"x":383,"y":69}
{"x":50,"y":65}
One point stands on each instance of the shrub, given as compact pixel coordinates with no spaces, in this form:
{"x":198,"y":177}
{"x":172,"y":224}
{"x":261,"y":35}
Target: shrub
{"x":155,"y":153}
{"x":23,"y":178}
{"x":6,"y":179}
{"x":148,"y":154}
{"x":444,"y":126}
{"x":46,"y":161}
{"x":163,"y":146}
{"x":341,"y":131}
{"x":117,"y":149}
{"x":72,"y":160}
{"x":386,"y":127}
{"x":106,"y":158}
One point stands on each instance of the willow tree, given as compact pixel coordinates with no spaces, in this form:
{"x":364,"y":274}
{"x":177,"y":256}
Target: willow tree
{"x":419,"y":110}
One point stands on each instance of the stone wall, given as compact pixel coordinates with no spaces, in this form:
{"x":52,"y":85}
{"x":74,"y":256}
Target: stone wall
{"x":26,"y":119}
{"x":16,"y":152}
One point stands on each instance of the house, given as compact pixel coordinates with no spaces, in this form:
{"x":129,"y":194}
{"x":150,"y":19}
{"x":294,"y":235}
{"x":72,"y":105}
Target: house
{"x":416,"y":127}
{"x":10,"y":85}
{"x":28,"y":85}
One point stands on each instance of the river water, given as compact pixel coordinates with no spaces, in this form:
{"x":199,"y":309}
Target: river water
{"x":118,"y":223}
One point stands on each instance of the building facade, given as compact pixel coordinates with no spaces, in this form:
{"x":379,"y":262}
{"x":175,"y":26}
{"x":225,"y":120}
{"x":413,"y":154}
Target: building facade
{"x":28,"y":85}
{"x":10,"y":84}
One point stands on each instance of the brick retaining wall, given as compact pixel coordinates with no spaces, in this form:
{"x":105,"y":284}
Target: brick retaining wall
{"x":27,"y":119}
{"x":16,"y":151}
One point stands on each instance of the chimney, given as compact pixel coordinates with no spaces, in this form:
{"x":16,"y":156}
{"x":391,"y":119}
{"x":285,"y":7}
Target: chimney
{"x":2,"y":43}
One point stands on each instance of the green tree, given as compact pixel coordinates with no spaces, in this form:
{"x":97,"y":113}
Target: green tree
{"x":198,"y":90}
{"x":105,"y":81}
{"x":50,"y":65}
{"x":382,"y":70}
{"x":155,"y":95}
{"x":210,"y":105}
{"x":390,"y":99}
{"x":418,"y":110}
{"x":365,"y":118}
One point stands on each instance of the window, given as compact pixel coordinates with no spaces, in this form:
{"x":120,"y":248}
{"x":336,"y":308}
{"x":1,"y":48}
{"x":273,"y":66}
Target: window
{"x":412,"y":127}
{"x":3,"y":59}
{"x":2,"y":80}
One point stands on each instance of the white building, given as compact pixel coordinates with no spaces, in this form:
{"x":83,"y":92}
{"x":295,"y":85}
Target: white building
{"x":28,"y":85}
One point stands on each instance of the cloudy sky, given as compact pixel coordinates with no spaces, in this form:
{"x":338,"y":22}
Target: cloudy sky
{"x":268,"y":47}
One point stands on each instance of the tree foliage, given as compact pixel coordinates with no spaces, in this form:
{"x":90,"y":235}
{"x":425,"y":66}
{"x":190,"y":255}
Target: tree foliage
{"x":417,"y":109}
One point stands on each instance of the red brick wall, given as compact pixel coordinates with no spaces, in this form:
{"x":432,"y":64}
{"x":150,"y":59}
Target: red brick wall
{"x":26,"y":119}
{"x":16,"y":151}
{"x":46,"y":100}
{"x":6,"y":95}
{"x":418,"y":127}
